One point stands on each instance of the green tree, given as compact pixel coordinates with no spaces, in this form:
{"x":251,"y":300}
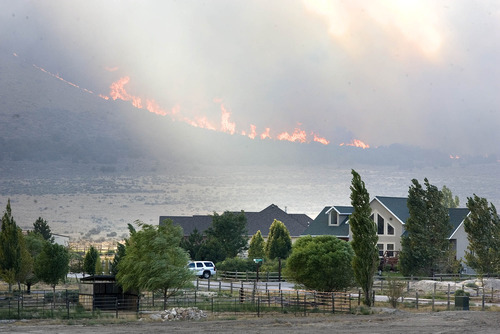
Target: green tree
{"x":34,"y":245}
{"x":364,"y":238}
{"x":448,"y":200}
{"x":482,"y":226}
{"x":228,"y":233}
{"x":321,"y":263}
{"x":155,"y":261}
{"x":256,"y":249}
{"x":52,"y":265}
{"x":279,"y":243}
{"x":98,"y":267}
{"x":15,"y":260}
{"x":119,"y":255}
{"x":425,"y":246}
{"x":193,"y":243}
{"x":41,"y":226}
{"x":90,"y":260}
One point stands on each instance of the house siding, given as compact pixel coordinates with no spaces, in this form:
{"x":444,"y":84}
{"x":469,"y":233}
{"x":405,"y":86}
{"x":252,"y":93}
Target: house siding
{"x":389,"y":218}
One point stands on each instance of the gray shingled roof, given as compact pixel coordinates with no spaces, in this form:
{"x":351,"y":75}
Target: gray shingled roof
{"x":396,"y":205}
{"x":320,"y":226}
{"x":457,"y":216}
{"x":295,"y":223}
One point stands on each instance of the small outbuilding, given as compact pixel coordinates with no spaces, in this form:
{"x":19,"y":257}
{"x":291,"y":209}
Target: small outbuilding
{"x":102,"y":292}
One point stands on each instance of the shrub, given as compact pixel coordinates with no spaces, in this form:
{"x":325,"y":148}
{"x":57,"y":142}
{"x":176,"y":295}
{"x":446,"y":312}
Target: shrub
{"x":395,"y":291}
{"x":236,"y":264}
{"x":461,"y":293}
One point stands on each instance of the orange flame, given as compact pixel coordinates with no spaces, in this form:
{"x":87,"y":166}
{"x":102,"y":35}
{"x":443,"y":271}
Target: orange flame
{"x":253,"y":131}
{"x":266,"y":134}
{"x":321,"y":140}
{"x":356,"y":143}
{"x":298,"y":135}
{"x":226,"y":125}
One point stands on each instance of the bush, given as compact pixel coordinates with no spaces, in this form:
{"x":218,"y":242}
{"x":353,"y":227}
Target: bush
{"x":395,"y":291}
{"x":461,"y":292}
{"x":236,"y":264}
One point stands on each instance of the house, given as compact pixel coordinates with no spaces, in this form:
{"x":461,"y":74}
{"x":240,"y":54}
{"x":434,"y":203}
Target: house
{"x":262,"y":220}
{"x":60,"y":239}
{"x":390,"y":215}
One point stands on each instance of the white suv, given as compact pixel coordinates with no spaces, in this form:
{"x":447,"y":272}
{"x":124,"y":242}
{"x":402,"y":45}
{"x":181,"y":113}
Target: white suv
{"x":203,"y":269}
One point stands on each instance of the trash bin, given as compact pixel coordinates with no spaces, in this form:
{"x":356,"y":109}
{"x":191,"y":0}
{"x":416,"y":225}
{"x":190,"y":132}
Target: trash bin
{"x":462,"y":303}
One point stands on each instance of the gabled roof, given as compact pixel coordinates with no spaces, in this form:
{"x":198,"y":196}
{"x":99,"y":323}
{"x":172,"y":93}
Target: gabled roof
{"x":262,"y":220}
{"x":341,"y":210}
{"x":320,"y":224}
{"x":457,"y":216}
{"x":190,"y":223}
{"x":396,"y":205}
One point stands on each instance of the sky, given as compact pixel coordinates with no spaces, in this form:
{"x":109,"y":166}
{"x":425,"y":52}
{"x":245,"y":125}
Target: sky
{"x":421,"y":73}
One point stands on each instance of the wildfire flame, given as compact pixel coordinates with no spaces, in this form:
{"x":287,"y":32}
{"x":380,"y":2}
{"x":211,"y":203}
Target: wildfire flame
{"x":118,"y":92}
{"x":356,"y":143}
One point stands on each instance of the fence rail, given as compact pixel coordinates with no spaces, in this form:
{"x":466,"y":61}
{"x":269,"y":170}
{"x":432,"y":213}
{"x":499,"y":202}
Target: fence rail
{"x":68,"y":304}
{"x":251,"y":276}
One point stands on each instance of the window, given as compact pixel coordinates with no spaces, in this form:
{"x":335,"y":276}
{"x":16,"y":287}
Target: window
{"x":199,"y":264}
{"x":380,"y":225}
{"x":380,"y":249}
{"x":390,"y":229}
{"x":333,"y":218}
{"x":390,"y":250}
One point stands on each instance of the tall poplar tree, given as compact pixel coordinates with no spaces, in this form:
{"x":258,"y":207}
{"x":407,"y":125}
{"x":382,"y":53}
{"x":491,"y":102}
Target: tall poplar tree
{"x":482,"y":226}
{"x":364,"y":238}
{"x":15,"y":261}
{"x":279,"y":243}
{"x":256,"y":247}
{"x":448,"y":200}
{"x":425,"y":246}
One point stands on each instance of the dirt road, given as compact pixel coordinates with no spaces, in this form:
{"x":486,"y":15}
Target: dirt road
{"x":393,"y":322}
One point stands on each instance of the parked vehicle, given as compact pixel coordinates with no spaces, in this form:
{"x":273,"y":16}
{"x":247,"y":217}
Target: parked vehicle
{"x":203,"y":269}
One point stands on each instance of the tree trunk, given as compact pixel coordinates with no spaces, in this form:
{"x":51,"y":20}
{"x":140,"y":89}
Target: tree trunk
{"x":164,"y":299}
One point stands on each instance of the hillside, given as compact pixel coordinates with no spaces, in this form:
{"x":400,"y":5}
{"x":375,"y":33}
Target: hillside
{"x":46,"y":120}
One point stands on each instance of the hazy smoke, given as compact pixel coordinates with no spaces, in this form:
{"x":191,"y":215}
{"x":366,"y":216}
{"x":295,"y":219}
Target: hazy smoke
{"x":422,"y":73}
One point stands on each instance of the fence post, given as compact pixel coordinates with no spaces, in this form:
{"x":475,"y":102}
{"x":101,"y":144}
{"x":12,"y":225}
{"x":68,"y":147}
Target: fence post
{"x":116,"y":307}
{"x":305,"y":304}
{"x":333,"y":302}
{"x":448,"y":303}
{"x":231,"y":285}
{"x":482,"y":306}
{"x":433,"y":297}
{"x":67,"y":303}
{"x":281,"y":300}
{"x":258,"y":307}
{"x":359,"y":297}
{"x":220,"y":286}
{"x":373,"y":294}
{"x":416,"y":299}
